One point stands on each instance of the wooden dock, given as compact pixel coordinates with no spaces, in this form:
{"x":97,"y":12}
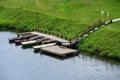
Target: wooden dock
{"x":44,"y":42}
{"x":60,"y":40}
{"x":59,"y":50}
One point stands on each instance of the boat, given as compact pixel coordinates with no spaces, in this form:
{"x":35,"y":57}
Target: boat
{"x":44,"y":45}
{"x":26,"y":38}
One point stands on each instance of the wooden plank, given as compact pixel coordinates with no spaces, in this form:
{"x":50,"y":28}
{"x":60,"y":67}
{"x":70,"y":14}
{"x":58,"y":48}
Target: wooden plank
{"x":49,"y":41}
{"x":28,"y":36}
{"x":36,"y":37}
{"x":25,"y":33}
{"x":60,"y":51}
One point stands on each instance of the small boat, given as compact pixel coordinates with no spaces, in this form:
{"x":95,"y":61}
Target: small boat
{"x":26,"y":38}
{"x":12,"y":40}
{"x":28,"y":42}
{"x":45,"y":45}
{"x":34,"y":42}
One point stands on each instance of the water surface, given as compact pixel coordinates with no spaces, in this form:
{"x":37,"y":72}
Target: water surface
{"x":23,"y":64}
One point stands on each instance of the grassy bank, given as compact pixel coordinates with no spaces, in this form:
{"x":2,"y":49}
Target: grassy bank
{"x":104,"y":42}
{"x":23,"y":20}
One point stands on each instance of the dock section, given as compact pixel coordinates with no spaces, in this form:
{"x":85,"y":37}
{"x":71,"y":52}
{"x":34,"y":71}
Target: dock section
{"x":59,"y":50}
{"x":60,"y":40}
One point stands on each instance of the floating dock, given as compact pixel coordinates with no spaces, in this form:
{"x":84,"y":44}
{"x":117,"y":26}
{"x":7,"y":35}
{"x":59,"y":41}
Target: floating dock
{"x":59,"y":50}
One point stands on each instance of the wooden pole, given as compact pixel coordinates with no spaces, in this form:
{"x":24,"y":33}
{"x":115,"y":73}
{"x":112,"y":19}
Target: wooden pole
{"x":57,"y":35}
{"x":66,"y":37}
{"x":41,"y":30}
{"x":49,"y":32}
{"x":61,"y":36}
{"x":45,"y":31}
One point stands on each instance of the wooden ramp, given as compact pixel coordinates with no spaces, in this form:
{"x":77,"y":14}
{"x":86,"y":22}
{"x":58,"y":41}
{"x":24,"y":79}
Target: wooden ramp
{"x":58,"y":50}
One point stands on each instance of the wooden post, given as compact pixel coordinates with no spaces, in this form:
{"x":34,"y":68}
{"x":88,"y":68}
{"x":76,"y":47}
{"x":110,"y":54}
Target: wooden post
{"x":94,"y":25}
{"x":89,"y":28}
{"x":66,"y":37}
{"x":49,"y":32}
{"x":35,"y":29}
{"x":38,"y":30}
{"x":99,"y":21}
{"x":81,"y":35}
{"x":111,"y":21}
{"x":76,"y":35}
{"x":70,"y":40}
{"x":61,"y":36}
{"x":45,"y":31}
{"x":104,"y":23}
{"x":53,"y":33}
{"x":57,"y":35}
{"x":41,"y":30}
{"x":29,"y":29}
{"x":83,"y":31}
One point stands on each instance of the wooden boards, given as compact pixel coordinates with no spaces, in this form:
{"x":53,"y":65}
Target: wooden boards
{"x":59,"y":50}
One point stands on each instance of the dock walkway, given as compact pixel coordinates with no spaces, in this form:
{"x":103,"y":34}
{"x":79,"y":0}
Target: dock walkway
{"x":63,"y":41}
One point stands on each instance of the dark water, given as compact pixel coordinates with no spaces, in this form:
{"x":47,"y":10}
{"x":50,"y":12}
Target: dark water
{"x":22,"y":64}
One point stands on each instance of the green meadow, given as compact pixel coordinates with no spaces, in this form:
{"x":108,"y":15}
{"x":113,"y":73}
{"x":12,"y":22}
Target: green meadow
{"x":67,"y":17}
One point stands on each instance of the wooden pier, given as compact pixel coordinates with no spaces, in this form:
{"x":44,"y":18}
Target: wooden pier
{"x":44,"y":42}
{"x":60,"y":40}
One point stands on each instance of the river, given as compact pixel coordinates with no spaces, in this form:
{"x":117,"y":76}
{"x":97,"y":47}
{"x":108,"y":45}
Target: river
{"x":23,"y":64}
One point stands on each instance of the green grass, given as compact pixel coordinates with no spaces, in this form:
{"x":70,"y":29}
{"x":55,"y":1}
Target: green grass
{"x":24,"y":19}
{"x":63,"y":16}
{"x":106,"y":41}
{"x":85,"y":11}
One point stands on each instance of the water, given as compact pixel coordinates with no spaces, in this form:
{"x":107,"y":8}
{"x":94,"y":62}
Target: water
{"x":22,"y":64}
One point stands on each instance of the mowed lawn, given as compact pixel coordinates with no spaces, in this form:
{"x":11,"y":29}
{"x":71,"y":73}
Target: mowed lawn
{"x":84,"y":11}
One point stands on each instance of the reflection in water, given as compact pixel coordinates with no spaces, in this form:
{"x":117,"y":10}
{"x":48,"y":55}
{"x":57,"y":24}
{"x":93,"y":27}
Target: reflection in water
{"x":22,"y":64}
